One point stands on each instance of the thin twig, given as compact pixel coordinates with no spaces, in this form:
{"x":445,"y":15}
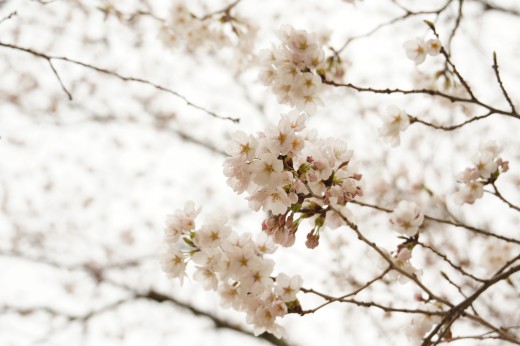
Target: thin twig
{"x":408,"y":14}
{"x":117,"y":75}
{"x":9,"y":16}
{"x":414,"y":119}
{"x":368,"y":304}
{"x":447,"y":260}
{"x":59,"y":80}
{"x":499,"y":79}
{"x":342,"y":298}
{"x":430,"y":92}
{"x":502,"y":198}
{"x":447,"y":222}
{"x":457,"y":24}
{"x":225,"y":10}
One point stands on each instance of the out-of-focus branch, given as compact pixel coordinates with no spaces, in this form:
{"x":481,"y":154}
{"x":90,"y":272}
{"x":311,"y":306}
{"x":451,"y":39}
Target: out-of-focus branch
{"x":98,"y":274}
{"x":50,"y":58}
{"x":450,"y":62}
{"x":219,"y":323}
{"x":488,"y":6}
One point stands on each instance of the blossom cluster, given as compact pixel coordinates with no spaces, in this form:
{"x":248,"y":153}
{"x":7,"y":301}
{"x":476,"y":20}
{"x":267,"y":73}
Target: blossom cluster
{"x":294,"y":69}
{"x":417,"y":49}
{"x":293,"y":177}
{"x":487,"y":168}
{"x":396,"y":120}
{"x":212,"y":31}
{"x":232,"y":264}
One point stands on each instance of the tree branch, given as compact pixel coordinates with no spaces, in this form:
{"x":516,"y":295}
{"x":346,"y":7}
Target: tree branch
{"x":49,"y":58}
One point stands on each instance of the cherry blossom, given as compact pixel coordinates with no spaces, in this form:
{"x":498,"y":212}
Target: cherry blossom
{"x":294,"y":177}
{"x":417,"y":50}
{"x":395,"y":121}
{"x":407,"y":218}
{"x":433,"y":46}
{"x":488,"y":166}
{"x":234,"y":266}
{"x":294,"y":69}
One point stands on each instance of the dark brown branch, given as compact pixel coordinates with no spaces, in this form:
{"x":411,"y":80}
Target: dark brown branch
{"x":226,"y":10}
{"x":219,"y":323}
{"x":117,"y":75}
{"x":457,"y":24}
{"x":458,"y":310}
{"x":343,"y":297}
{"x":98,"y":274}
{"x":436,"y":93}
{"x":488,"y":6}
{"x":446,"y":222}
{"x":59,"y":80}
{"x":368,"y":304}
{"x":414,"y":119}
{"x":499,"y":80}
{"x":9,"y":16}
{"x":447,"y":260}
{"x":502,"y":198}
{"x":408,"y":14}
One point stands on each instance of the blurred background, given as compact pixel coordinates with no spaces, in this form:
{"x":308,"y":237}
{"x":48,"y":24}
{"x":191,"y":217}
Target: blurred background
{"x":94,"y":156}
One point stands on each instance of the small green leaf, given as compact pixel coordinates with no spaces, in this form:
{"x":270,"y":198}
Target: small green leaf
{"x":430,"y":24}
{"x":188,"y":241}
{"x":294,"y":307}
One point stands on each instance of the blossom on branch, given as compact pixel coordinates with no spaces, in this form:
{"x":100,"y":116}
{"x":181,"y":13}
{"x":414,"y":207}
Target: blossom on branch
{"x":234,"y":266}
{"x":294,"y":69}
{"x":407,"y":218}
{"x":488,"y":167}
{"x":417,"y":50}
{"x":294,"y":177}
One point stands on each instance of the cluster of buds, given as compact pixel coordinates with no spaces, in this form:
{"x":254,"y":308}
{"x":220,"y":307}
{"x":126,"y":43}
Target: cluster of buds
{"x":212,"y":31}
{"x":487,"y":168}
{"x":293,"y":177}
{"x":233,"y":265}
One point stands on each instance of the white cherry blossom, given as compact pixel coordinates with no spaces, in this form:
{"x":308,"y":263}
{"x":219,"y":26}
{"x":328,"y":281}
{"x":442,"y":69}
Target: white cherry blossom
{"x":394,"y":122}
{"x":407,"y":218}
{"x":287,"y":287}
{"x":415,"y":50}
